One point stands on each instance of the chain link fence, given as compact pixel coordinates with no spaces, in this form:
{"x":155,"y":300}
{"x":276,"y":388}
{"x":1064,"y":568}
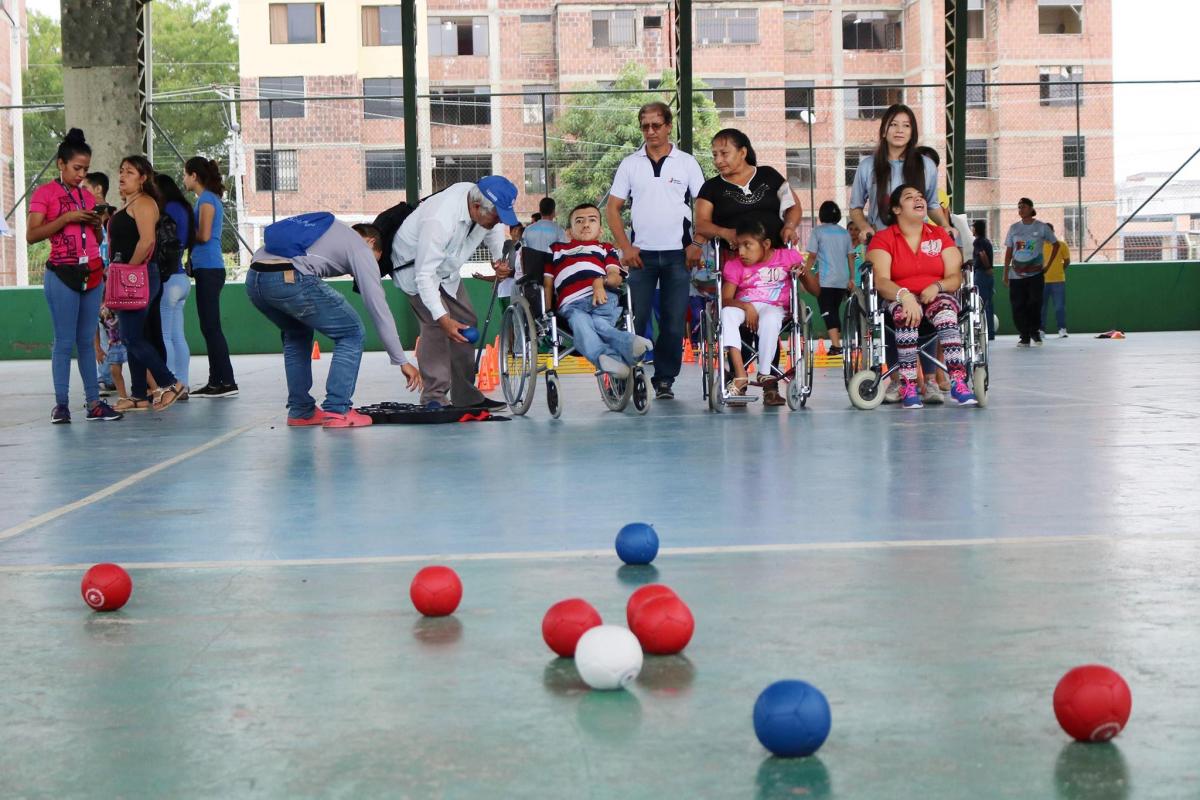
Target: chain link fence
{"x":1053,"y":141}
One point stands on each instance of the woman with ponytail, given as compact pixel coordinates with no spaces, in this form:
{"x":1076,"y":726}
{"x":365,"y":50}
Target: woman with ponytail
{"x":64,"y":212}
{"x":203,"y":177}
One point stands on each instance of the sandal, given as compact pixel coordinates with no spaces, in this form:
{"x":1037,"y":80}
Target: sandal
{"x":771,"y":396}
{"x":130,"y":404}
{"x":737,"y":387}
{"x":164,"y":398}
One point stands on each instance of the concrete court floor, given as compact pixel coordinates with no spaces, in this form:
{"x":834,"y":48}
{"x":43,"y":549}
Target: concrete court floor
{"x":934,"y":572}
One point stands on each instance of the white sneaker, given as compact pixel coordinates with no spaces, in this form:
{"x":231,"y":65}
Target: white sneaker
{"x":1022,"y":343}
{"x":613,"y":367}
{"x":892,"y":395}
{"x":1062,"y":333}
{"x":640,"y":345}
{"x":933,"y":394}
{"x":1041,"y":333}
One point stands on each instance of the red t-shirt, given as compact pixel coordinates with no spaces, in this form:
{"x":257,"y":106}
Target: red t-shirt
{"x":914,"y":271}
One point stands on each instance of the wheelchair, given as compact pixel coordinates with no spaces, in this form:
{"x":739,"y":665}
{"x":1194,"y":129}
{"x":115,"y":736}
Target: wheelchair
{"x":797,"y":331}
{"x":527,"y":327}
{"x":866,"y":326}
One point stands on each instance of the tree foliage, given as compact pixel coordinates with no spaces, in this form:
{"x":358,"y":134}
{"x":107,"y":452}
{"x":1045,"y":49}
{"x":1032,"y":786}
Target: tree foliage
{"x":598,"y":130}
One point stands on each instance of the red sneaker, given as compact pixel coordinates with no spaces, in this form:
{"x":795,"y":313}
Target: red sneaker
{"x":318,"y":418}
{"x":351,"y":419}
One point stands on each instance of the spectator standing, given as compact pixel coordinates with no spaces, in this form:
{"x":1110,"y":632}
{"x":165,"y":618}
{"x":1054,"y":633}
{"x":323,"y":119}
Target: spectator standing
{"x":1055,"y":292}
{"x":203,"y":177}
{"x":983,"y":257}
{"x":176,"y":285}
{"x":1025,"y":270}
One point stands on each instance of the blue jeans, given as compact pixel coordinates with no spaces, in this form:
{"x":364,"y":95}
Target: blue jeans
{"x":594,"y":330}
{"x":667,"y":270}
{"x":986,"y":283}
{"x":174,"y":296}
{"x":1055,"y":293}
{"x":298,"y":309}
{"x":74,"y":316}
{"x":143,"y":354}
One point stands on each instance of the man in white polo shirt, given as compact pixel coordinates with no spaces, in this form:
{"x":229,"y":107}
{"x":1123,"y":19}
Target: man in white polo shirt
{"x":660,"y":181}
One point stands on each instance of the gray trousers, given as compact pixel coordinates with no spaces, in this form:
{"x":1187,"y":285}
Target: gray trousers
{"x":447,"y":368}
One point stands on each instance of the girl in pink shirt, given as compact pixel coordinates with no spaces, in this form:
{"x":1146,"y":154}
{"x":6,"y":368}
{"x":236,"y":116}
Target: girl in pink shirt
{"x":757,"y":292}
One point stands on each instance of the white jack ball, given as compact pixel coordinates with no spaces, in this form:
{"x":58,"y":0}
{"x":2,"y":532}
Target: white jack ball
{"x":608,"y":657}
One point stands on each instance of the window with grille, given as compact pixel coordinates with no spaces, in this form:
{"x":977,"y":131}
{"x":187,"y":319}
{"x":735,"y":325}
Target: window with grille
{"x":297,"y":23}
{"x":383,"y":98}
{"x":652,"y":22}
{"x":460,"y":106}
{"x":976,"y":164}
{"x":798,"y":100}
{"x":799,"y":168}
{"x":869,"y":99}
{"x":533,"y":101}
{"x":799,"y":31}
{"x":452,"y":169}
{"x":458,"y":36}
{"x":278,"y":170}
{"x":726,"y":26}
{"x":728,"y":95}
{"x":872,"y":30}
{"x":381,"y":26}
{"x":1057,"y":85}
{"x":976,"y":88}
{"x":275,"y":88}
{"x":614,"y":29}
{"x":1074,"y":156}
{"x":385,"y":170}
{"x":1074,"y":224}
{"x":853,"y":157}
{"x":535,"y":174}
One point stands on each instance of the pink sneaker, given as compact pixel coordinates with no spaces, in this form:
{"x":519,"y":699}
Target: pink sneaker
{"x":318,"y":418}
{"x":351,"y":419}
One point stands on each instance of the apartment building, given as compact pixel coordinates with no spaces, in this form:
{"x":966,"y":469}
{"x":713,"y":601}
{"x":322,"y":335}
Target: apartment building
{"x":484,"y":66}
{"x":13,"y":36}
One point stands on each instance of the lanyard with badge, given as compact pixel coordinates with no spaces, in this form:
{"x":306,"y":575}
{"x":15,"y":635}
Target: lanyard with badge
{"x":83,"y":259}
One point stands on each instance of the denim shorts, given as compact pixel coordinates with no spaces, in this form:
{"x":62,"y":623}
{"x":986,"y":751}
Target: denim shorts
{"x":116,"y":355}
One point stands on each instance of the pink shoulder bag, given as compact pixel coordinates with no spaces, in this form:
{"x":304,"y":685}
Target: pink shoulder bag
{"x":127,"y":287}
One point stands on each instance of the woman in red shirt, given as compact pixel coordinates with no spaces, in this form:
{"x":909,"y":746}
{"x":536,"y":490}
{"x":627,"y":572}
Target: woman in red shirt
{"x":917,"y":270}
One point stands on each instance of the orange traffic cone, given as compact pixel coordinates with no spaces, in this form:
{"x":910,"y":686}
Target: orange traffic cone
{"x":821,"y":348}
{"x":316,"y":353}
{"x":481,"y":379}
{"x":689,"y":352}
{"x":784,"y":359}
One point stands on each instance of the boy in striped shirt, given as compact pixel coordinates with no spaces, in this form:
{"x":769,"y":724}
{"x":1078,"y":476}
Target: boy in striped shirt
{"x":581,"y":272}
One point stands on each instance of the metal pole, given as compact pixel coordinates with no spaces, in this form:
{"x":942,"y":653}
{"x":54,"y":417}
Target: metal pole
{"x":1079,"y":226}
{"x":545,"y":148}
{"x":274,"y":158}
{"x":683,"y":22}
{"x":956,"y":103}
{"x":812,"y":167}
{"x":1146,"y":202}
{"x":36,"y":179}
{"x":408,"y":40}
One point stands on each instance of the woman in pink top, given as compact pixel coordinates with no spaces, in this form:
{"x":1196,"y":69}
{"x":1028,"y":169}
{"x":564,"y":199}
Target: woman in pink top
{"x":757,"y":292}
{"x":63,"y":212}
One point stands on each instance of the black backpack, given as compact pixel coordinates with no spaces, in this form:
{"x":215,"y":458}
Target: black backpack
{"x":168,"y":247}
{"x":388,"y":222}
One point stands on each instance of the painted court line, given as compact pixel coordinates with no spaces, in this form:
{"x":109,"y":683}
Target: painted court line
{"x":124,"y":483}
{"x":562,"y":555}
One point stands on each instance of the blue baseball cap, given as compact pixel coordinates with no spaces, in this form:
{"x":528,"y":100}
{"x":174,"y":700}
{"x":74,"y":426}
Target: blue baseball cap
{"x":503,"y":194}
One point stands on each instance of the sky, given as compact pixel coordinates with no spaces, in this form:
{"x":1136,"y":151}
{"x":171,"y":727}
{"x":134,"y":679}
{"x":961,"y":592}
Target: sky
{"x":1156,"y":127}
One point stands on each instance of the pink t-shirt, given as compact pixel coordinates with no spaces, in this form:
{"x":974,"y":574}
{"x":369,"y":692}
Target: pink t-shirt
{"x":768,"y":281}
{"x":53,"y":200}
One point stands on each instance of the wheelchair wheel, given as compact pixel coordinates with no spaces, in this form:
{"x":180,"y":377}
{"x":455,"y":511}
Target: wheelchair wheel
{"x":866,"y":390}
{"x":979,"y":382}
{"x":706,"y":355}
{"x":518,"y":357}
{"x":810,"y":357}
{"x":639,"y":390}
{"x":614,"y":391}
{"x":553,"y":400}
{"x":796,"y":396}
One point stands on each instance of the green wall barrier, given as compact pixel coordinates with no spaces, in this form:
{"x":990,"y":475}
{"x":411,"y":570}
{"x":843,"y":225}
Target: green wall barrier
{"x":1144,"y":296}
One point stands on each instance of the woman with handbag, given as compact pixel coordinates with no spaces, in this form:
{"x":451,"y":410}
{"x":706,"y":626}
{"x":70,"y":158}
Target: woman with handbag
{"x":64,"y":212}
{"x":131,"y":238}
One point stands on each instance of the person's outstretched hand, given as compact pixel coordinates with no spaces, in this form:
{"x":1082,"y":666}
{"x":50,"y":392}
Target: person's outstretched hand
{"x":412,"y":377}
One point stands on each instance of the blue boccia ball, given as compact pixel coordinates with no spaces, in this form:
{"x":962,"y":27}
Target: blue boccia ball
{"x":791,"y":718}
{"x":470,"y":334}
{"x":637,"y":543}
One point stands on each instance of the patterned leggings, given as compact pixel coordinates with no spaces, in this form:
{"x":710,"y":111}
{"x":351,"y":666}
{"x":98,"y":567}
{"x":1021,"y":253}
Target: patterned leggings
{"x":942,"y":312}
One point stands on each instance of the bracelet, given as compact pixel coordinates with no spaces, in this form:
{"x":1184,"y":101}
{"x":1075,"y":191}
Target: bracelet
{"x":698,"y":243}
{"x":941,"y":289}
{"x":900,"y":293}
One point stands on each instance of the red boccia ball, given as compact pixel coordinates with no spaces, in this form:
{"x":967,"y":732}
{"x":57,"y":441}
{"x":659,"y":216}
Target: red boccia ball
{"x":436,"y":591}
{"x":565,"y":622}
{"x":1092,"y":703}
{"x":664,"y":625}
{"x":106,"y":587}
{"x":643,"y":596}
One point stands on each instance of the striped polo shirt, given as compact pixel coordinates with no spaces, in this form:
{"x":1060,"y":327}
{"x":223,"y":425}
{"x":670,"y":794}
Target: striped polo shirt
{"x":576,"y":265}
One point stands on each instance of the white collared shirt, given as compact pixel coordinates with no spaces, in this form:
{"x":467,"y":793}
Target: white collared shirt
{"x":661,"y":195}
{"x":437,"y":239}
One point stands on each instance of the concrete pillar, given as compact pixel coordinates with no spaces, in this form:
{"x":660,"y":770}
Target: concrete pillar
{"x":101,"y":78}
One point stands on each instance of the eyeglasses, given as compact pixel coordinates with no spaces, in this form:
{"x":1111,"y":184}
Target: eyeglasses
{"x":653,"y":127}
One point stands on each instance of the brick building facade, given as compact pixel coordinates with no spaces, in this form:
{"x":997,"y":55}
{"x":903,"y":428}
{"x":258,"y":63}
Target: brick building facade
{"x":484,"y":64}
{"x":13,"y":35}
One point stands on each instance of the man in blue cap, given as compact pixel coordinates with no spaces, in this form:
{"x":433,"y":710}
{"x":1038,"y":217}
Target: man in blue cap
{"x":430,"y":248}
